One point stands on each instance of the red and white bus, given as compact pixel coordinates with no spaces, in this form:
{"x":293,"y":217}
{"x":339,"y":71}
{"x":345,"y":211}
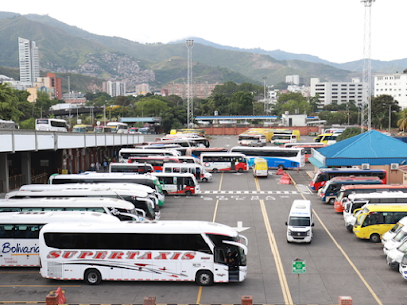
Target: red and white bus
{"x":157,"y":162}
{"x":224,"y":162}
{"x":325,"y":174}
{"x":346,"y":190}
{"x":178,"y":183}
{"x":175,"y":251}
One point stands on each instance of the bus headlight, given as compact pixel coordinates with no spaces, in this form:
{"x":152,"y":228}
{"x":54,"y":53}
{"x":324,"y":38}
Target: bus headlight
{"x":289,"y":232}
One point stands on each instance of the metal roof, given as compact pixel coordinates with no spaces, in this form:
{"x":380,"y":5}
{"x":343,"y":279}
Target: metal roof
{"x":371,"y":147}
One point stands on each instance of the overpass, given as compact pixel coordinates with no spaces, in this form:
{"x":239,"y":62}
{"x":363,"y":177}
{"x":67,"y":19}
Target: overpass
{"x":30,"y":156}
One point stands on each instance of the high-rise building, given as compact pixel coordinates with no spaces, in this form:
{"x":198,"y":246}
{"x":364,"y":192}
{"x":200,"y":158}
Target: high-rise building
{"x":29,"y":60}
{"x":114,"y":88}
{"x":394,"y":85}
{"x":337,"y":92}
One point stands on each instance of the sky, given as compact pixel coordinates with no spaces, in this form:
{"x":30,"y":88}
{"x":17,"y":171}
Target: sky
{"x":331,"y":30}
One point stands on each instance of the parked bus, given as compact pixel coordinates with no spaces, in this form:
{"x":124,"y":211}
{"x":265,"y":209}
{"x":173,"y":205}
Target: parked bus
{"x":157,"y":162}
{"x":394,"y":230}
{"x":103,"y":129}
{"x":144,"y":206}
{"x":177,"y":183}
{"x":376,"y":219}
{"x":197,"y":151}
{"x":308,"y":149}
{"x":20,"y":231}
{"x":123,"y":210}
{"x":118,"y":127}
{"x":8,"y":125}
{"x":325,"y":174}
{"x":51,"y":125}
{"x":146,"y":179}
{"x":346,"y":190}
{"x":126,"y":153}
{"x":357,"y":201}
{"x":193,"y":168}
{"x":295,"y":132}
{"x":330,"y":190}
{"x":181,"y":142}
{"x":224,"y":162}
{"x":193,"y":138}
{"x":279,"y":139}
{"x":157,"y":198}
{"x":137,"y":168}
{"x":82,"y":128}
{"x":277,"y":157}
{"x":163,"y":251}
{"x":326,"y":138}
{"x":260,"y":168}
{"x":92,"y":177}
{"x":251,"y":139}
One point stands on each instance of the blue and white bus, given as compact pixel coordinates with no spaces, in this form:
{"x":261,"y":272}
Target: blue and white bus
{"x":277,"y":157}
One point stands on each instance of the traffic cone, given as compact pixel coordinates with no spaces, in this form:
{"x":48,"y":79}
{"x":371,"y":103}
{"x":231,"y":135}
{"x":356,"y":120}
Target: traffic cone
{"x":280,"y":171}
{"x":61,"y":296}
{"x":285,"y":179}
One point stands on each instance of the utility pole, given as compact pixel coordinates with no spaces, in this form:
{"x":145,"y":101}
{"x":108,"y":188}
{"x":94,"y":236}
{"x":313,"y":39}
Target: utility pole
{"x":190,"y":103}
{"x":366,"y":113}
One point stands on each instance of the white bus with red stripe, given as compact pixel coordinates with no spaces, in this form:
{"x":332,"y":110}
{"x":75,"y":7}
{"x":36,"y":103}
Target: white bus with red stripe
{"x":224,"y":162}
{"x":204,"y":252}
{"x":19,"y":233}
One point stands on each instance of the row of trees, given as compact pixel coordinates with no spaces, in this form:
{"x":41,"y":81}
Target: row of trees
{"x":227,"y":99}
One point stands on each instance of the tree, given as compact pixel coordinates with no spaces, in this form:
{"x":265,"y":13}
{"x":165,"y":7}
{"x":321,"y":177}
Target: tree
{"x":402,"y":122}
{"x":9,"y":103}
{"x":381,"y":107}
{"x":348,"y":133}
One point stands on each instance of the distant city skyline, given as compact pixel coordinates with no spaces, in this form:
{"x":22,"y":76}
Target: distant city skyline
{"x":330,"y":30}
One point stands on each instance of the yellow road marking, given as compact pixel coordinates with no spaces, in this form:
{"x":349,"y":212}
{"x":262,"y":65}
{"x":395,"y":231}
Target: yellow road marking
{"x":274,"y":249}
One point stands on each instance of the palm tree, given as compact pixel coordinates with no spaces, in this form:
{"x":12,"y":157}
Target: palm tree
{"x":402,"y":122}
{"x":8,"y":103}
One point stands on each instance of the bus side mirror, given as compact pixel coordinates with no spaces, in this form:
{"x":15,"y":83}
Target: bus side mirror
{"x":312,"y":224}
{"x":286,"y":223}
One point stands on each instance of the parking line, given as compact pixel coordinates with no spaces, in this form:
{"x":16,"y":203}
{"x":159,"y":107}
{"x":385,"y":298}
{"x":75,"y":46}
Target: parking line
{"x":274,"y":249}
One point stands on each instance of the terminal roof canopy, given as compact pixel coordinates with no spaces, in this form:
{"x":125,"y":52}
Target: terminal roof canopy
{"x":372,"y":147}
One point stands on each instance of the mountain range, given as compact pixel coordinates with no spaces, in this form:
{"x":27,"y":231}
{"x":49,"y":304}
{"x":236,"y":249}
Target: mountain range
{"x":69,"y":50}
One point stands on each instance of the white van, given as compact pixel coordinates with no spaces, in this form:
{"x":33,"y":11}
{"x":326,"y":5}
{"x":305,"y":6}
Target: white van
{"x":396,"y":241}
{"x":196,"y":169}
{"x":391,"y":233}
{"x":299,"y":225}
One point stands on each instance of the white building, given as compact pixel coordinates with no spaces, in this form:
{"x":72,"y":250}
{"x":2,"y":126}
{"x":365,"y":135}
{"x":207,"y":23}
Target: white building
{"x":29,"y":60}
{"x":394,"y":85}
{"x":292,"y":79}
{"x":337,"y":92}
{"x":114,"y":88}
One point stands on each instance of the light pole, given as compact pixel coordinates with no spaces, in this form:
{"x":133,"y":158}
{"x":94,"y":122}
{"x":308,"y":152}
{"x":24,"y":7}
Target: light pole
{"x":389,"y":117}
{"x":264,"y":94}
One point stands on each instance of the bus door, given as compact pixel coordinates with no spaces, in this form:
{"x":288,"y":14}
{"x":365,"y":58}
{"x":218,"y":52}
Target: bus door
{"x":232,"y":163}
{"x":229,"y":257}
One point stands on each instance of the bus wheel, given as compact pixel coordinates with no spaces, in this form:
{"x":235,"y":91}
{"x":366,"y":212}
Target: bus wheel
{"x":215,"y":170}
{"x":204,"y":180}
{"x":165,"y":193}
{"x":280,"y":166}
{"x":204,"y":278}
{"x":188,"y":193}
{"x":331,"y":201}
{"x":240,"y":170}
{"x":375,"y":238}
{"x":92,"y":277}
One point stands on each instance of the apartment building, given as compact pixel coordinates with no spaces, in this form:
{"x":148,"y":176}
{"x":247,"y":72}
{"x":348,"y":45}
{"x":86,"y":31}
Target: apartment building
{"x":29,"y":60}
{"x":337,"y":92}
{"x":114,"y":88}
{"x":394,"y":85}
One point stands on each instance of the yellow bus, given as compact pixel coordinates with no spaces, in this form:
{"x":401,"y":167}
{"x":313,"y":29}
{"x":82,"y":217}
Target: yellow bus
{"x":374,"y":220}
{"x":82,"y":128}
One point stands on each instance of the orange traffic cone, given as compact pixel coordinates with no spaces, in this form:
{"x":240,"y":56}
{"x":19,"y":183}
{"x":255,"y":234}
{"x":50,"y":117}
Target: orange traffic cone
{"x":285,"y":179}
{"x":280,"y":171}
{"x":61,"y":297}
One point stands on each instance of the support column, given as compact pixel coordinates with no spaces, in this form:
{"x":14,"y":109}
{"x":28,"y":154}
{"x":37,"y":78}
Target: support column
{"x":26,"y":167}
{"x":4,"y":183}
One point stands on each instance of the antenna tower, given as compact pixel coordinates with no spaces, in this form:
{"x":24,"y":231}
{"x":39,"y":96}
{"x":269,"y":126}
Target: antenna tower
{"x":366,"y":112}
{"x":190,"y":104}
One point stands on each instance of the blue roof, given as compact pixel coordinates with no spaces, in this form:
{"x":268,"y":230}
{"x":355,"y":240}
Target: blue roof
{"x":371,"y":147}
